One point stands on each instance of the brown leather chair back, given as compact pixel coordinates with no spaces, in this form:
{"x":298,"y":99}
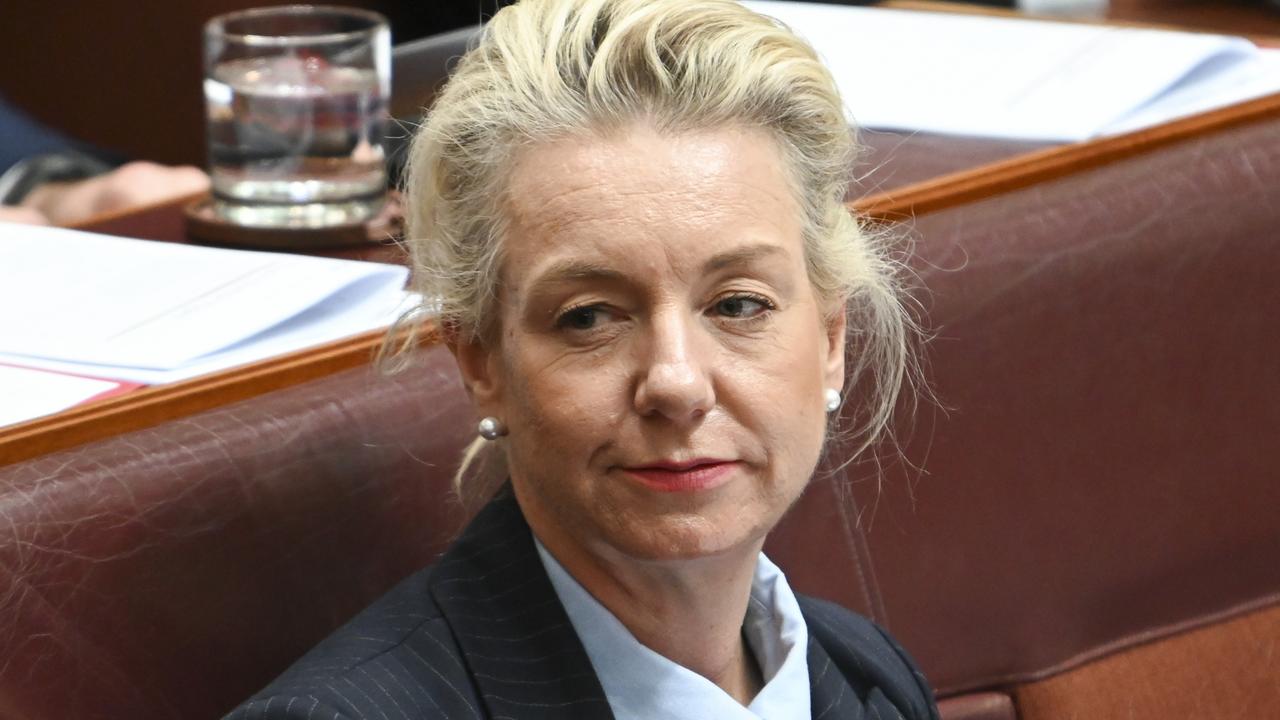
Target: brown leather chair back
{"x":172,"y":572}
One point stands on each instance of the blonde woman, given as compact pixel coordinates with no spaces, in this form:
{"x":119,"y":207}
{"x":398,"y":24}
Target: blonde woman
{"x":631,"y":214}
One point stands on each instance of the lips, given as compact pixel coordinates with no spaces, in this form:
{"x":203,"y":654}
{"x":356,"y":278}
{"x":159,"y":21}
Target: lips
{"x":692,"y":476}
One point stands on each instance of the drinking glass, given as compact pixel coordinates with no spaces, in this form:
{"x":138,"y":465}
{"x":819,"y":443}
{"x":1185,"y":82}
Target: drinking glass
{"x":296,"y":108}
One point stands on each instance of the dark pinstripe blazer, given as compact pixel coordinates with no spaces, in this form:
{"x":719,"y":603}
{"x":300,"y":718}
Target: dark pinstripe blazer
{"x":483,"y":635}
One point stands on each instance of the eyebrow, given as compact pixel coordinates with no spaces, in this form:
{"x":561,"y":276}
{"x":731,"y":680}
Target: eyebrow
{"x":576,"y":270}
{"x":742,"y":256}
{"x":571,"y":270}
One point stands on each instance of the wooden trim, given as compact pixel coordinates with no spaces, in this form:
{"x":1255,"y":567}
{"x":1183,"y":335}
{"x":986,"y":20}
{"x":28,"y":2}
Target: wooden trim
{"x":1041,"y":166}
{"x":153,"y":405}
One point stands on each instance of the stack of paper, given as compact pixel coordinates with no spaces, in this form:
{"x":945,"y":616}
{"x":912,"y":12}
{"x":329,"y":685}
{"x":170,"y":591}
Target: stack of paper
{"x":1022,"y":79}
{"x":149,"y":312}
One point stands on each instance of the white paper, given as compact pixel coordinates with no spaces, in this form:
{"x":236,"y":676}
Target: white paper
{"x":369,"y":313}
{"x":1009,"y":77}
{"x":155,"y":312}
{"x":92,"y":298}
{"x":1241,"y":82}
{"x":26,"y":393}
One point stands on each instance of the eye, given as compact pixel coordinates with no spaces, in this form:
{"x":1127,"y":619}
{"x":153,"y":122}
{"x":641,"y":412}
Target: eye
{"x":583,"y":317}
{"x":742,"y":306}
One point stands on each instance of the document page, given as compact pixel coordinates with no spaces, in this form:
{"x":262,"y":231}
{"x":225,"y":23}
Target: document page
{"x":85,"y":298}
{"x":1005,"y":77}
{"x":1240,"y":82}
{"x":26,"y":393}
{"x":339,"y":317}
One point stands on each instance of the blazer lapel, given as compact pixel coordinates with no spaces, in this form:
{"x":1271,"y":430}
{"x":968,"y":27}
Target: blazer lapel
{"x":830,"y":695}
{"x":520,"y":647}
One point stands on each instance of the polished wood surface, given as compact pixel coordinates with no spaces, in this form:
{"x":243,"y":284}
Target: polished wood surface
{"x":166,"y":222}
{"x":1237,"y":17}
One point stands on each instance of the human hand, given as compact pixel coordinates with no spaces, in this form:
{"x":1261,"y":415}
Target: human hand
{"x":131,"y":185}
{"x":22,"y":215}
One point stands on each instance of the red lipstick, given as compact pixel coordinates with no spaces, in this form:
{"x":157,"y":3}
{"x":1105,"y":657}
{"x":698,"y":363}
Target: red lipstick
{"x":691,"y":476}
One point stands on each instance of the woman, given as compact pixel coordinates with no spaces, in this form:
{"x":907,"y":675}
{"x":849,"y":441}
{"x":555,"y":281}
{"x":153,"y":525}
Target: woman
{"x":631,"y":213}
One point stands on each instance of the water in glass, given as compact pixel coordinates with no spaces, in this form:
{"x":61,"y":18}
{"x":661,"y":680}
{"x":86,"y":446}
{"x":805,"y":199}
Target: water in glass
{"x":297,"y":136}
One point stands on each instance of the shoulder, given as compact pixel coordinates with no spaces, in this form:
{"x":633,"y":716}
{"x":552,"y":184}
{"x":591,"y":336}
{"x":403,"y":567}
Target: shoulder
{"x":398,"y":653}
{"x":863,"y":651}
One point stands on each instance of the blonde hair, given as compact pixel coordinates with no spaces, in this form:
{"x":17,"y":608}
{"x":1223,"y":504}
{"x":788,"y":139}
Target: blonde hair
{"x":546,"y":69}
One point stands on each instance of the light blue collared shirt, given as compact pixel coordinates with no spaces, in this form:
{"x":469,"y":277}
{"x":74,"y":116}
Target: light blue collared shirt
{"x":640,"y":684}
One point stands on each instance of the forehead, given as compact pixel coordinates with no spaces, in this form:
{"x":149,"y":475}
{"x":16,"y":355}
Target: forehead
{"x":639,"y":199}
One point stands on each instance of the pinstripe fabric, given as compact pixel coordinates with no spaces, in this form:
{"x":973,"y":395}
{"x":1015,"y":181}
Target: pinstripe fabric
{"x":483,"y":635}
{"x":857,"y":671}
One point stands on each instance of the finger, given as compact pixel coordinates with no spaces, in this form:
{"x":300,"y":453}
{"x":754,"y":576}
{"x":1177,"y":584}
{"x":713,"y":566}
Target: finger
{"x":28,"y":216}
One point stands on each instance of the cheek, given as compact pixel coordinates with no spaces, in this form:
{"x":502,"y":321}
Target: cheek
{"x":564,"y":404}
{"x":797,"y":431}
{"x":792,"y":394}
{"x":785,"y":373}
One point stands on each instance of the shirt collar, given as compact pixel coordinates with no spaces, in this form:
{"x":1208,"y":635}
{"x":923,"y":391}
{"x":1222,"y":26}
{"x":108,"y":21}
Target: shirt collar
{"x":641,"y":684}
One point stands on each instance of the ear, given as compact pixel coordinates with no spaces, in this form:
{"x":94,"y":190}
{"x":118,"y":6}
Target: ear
{"x":833,"y":366}
{"x":479,"y":366}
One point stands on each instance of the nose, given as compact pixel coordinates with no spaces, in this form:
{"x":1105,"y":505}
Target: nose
{"x":675,"y":376}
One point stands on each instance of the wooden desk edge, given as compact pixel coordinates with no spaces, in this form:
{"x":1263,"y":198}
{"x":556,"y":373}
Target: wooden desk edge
{"x":154,"y":405}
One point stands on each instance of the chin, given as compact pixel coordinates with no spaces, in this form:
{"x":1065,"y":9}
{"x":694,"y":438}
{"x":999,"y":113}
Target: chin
{"x":684,"y":538}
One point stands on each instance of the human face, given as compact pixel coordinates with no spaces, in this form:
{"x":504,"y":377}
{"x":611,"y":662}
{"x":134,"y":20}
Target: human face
{"x":661,"y":358}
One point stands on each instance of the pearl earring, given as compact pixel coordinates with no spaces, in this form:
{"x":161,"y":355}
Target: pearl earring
{"x":491,"y":428}
{"x":833,"y":400}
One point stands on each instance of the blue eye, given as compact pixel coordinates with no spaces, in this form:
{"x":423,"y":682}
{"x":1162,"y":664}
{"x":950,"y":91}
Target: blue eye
{"x":742,"y":306}
{"x":579,"y":318}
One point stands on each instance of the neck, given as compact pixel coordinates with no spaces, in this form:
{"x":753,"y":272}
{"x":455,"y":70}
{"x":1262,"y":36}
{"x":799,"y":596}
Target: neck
{"x":689,"y":611}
